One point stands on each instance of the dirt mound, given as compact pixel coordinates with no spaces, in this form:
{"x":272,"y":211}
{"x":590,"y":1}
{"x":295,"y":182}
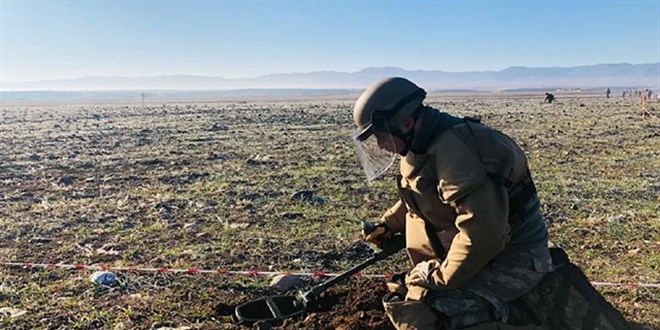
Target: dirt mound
{"x":353,"y":305}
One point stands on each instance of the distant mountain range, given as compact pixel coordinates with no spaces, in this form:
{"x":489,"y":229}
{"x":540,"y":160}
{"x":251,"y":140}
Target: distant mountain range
{"x":622,"y":75}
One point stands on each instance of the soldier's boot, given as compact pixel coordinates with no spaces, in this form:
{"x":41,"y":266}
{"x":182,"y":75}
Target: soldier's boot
{"x":410,"y":315}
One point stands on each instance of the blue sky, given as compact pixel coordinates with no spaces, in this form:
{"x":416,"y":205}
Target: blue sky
{"x":59,"y":39}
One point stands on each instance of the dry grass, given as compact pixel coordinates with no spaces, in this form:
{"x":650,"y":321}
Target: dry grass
{"x":116,"y":185}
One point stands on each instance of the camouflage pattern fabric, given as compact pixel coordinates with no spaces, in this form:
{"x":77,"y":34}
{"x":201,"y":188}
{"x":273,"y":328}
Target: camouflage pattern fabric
{"x":566,"y":300}
{"x":485,"y":297}
{"x":461,"y":308}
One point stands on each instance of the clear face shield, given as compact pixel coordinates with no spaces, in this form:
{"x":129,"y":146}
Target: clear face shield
{"x":375,"y":161}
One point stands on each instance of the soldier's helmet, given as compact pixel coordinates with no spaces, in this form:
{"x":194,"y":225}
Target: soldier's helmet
{"x":382,"y":106}
{"x":386,"y":104}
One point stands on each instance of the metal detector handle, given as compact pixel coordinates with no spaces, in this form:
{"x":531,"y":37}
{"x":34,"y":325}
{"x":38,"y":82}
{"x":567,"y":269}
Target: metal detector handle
{"x":389,"y":247}
{"x":368,"y":227}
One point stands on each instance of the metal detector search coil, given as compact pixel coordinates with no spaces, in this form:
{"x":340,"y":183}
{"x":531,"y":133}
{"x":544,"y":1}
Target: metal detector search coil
{"x":269,"y":309}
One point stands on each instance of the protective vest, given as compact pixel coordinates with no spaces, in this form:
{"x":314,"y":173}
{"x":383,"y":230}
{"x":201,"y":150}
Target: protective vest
{"x":466,"y":199}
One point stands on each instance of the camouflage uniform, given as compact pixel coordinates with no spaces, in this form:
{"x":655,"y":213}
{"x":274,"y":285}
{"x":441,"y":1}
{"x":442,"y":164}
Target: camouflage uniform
{"x":485,"y":297}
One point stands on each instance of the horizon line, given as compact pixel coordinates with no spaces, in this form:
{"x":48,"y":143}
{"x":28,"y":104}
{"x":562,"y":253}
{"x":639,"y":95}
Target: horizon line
{"x":311,"y":72}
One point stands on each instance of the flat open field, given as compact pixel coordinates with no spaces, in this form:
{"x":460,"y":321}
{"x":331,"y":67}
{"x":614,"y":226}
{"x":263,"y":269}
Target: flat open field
{"x":208,"y":185}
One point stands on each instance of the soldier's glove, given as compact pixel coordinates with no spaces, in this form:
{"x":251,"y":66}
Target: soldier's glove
{"x":375,"y":233}
{"x":422,"y":274}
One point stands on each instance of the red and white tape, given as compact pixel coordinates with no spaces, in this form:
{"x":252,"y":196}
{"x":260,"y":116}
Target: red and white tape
{"x":176,"y":270}
{"x":241,"y":272}
{"x":628,"y":284}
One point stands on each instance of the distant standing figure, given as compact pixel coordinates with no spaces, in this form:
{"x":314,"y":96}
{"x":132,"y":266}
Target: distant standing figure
{"x":642,"y":101}
{"x":623,"y":94}
{"x":645,"y":95}
{"x":608,"y":92}
{"x":549,"y":98}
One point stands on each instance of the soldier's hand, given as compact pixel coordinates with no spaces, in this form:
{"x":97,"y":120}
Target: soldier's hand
{"x":422,"y":274}
{"x":375,"y":233}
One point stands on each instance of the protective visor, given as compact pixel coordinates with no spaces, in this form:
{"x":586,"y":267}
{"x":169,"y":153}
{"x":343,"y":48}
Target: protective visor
{"x":374,"y":160}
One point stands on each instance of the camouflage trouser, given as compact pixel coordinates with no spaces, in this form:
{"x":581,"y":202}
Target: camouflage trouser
{"x":485,"y":297}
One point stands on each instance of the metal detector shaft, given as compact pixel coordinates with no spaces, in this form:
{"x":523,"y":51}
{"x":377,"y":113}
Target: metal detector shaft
{"x":275,"y":308}
{"x":389,"y":247}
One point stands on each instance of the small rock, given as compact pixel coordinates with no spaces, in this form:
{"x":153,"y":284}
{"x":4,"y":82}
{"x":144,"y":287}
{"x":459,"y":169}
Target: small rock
{"x":174,"y":225}
{"x":87,"y":165}
{"x":107,"y":219}
{"x":291,"y":215}
{"x":318,"y":200}
{"x":286,"y":282}
{"x":108,"y":249}
{"x":39,"y":240}
{"x":104,"y":278}
{"x":302,"y":195}
{"x":35,"y":157}
{"x":194,"y":226}
{"x":214,"y":156}
{"x":617,"y":218}
{"x":217,"y":127}
{"x":153,"y":162}
{"x":307,"y":196}
{"x":67,"y":180}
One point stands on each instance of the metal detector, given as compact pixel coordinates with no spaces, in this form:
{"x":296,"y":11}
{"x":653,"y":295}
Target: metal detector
{"x":269,"y":310}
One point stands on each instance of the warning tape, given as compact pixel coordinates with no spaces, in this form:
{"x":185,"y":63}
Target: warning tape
{"x":177,"y":270}
{"x":627,"y":284}
{"x":242,"y":272}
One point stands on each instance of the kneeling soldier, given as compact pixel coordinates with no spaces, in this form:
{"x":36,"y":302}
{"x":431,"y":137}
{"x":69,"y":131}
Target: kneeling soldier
{"x":468,"y":208}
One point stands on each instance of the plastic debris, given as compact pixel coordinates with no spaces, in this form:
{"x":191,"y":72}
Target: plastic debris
{"x":104,"y":278}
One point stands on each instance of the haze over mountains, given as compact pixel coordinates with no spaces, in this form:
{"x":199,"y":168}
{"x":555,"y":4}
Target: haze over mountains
{"x":621,"y":75}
